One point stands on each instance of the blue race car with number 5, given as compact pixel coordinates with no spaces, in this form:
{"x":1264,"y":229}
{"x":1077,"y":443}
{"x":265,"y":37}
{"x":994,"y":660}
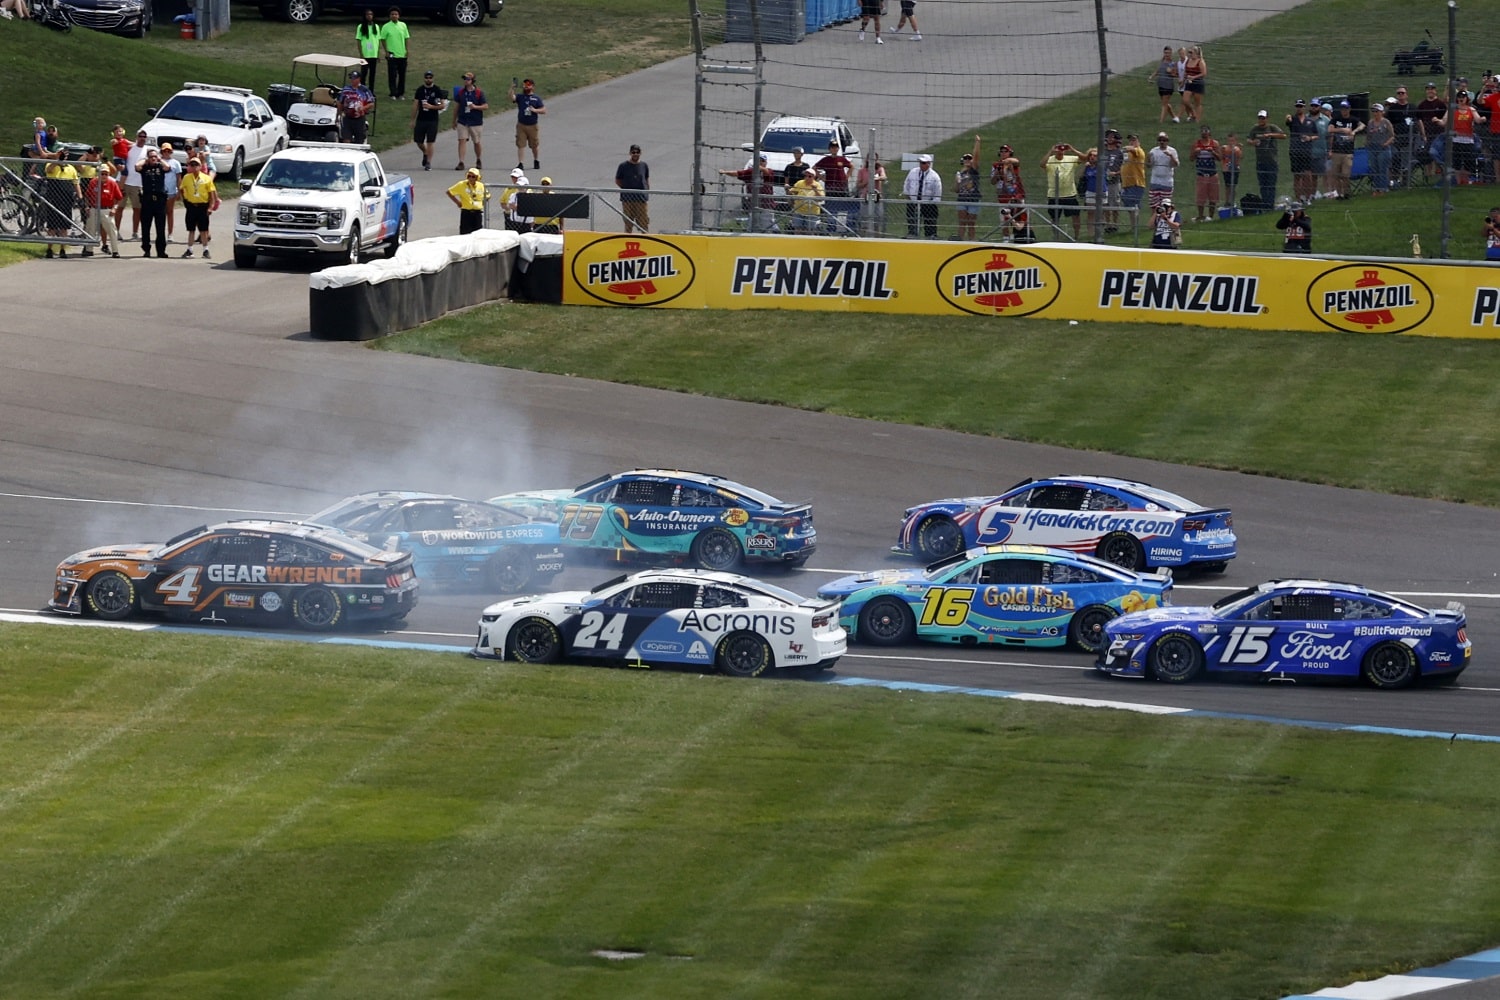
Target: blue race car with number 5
{"x":1013,"y":595}
{"x":1132,"y":524}
{"x":1292,"y":628}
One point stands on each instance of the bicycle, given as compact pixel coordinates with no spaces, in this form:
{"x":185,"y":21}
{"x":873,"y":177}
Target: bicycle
{"x":51,"y":14}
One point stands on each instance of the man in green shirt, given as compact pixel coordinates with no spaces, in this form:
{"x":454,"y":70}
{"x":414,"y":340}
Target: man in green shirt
{"x":368,"y":37}
{"x":394,"y":34}
{"x":1263,"y":136}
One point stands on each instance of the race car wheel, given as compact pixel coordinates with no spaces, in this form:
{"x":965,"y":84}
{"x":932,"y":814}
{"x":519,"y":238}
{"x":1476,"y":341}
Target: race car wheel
{"x":509,"y":570}
{"x":110,"y":595}
{"x":316,"y":609}
{"x":1122,"y":550}
{"x":938,"y":538}
{"x":535,"y":640}
{"x":1086,"y":630}
{"x":1390,"y":665}
{"x":716,"y":549}
{"x":1176,"y":659}
{"x":743,"y":654}
{"x":886,"y":621}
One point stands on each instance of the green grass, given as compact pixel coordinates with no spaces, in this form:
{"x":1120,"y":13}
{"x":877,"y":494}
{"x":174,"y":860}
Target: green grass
{"x":195,"y":816}
{"x":1408,"y":415}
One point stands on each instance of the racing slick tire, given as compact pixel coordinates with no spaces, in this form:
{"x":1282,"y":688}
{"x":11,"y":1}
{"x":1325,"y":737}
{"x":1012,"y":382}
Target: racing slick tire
{"x":716,"y":549}
{"x":509,"y":570}
{"x":1175,"y":658}
{"x":1390,"y":665}
{"x":937,"y":538}
{"x":1086,"y":629}
{"x":244,"y":259}
{"x":110,"y":595}
{"x":1123,"y":550}
{"x":886,"y":621}
{"x":743,"y":654}
{"x":316,"y":609}
{"x":534,"y":640}
{"x":396,"y":242}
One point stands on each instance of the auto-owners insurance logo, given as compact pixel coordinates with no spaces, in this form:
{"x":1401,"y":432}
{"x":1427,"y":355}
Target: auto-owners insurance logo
{"x":1369,"y":298}
{"x":633,"y":270}
{"x":998,"y":281}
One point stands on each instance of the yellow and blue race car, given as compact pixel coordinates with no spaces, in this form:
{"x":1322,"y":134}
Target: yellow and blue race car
{"x":1013,"y":595}
{"x":668,"y":516}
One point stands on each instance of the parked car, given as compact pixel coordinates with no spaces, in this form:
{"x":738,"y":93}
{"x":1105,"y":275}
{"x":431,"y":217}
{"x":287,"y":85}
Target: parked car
{"x":1292,"y":628}
{"x":1131,"y":524}
{"x":661,"y":515}
{"x":452,"y":540}
{"x":130,"y":18}
{"x":734,"y":624}
{"x":256,"y":571}
{"x":241,"y":129}
{"x":787,"y":132}
{"x":459,"y":12}
{"x":1012,"y":595}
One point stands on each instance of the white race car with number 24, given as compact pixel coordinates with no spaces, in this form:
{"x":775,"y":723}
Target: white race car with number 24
{"x":711,"y":620}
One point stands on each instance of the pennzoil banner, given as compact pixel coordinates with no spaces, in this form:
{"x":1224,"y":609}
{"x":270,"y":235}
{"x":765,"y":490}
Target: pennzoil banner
{"x":1449,"y":299}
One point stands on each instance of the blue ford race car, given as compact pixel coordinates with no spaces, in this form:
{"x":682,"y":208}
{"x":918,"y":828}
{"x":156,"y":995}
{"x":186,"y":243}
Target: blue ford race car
{"x":452,"y":540}
{"x":1132,"y":524}
{"x":1292,"y":628}
{"x":1013,"y":595}
{"x":657,"y":516}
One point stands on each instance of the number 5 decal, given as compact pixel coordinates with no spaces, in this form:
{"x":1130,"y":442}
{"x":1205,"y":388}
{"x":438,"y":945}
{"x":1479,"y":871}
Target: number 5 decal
{"x":1247,"y":644}
{"x":946,"y":606}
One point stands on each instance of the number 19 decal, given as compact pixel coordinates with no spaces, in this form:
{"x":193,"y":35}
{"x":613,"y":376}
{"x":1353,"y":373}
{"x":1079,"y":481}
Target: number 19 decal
{"x":946,"y":606}
{"x":1247,"y":644}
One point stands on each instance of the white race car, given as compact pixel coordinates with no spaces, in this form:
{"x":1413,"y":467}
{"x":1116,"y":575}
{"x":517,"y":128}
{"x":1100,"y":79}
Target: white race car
{"x":738,"y":625}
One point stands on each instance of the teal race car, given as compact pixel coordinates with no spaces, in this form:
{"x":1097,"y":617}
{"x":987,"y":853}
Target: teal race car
{"x":1012,"y":595}
{"x":658,"y":516}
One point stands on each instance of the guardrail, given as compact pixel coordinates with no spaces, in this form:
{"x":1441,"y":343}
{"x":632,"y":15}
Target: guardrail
{"x":37,"y":209}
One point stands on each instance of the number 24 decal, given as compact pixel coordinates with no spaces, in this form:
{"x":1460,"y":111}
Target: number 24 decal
{"x":596,"y":628}
{"x":1247,"y":644}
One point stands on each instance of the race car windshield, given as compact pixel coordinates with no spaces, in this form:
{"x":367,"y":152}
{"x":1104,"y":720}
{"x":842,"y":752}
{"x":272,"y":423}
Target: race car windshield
{"x":208,"y":110}
{"x":307,"y":176}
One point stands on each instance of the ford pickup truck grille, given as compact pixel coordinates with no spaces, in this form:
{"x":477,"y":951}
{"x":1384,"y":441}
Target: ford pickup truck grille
{"x":273,"y":217}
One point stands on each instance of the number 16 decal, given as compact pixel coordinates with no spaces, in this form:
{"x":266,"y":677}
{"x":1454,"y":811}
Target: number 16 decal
{"x":1247,"y":644}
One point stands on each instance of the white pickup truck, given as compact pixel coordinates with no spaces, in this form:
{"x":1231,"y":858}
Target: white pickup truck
{"x":324,"y":199}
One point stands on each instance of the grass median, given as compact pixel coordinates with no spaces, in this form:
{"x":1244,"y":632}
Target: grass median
{"x":197,"y":816}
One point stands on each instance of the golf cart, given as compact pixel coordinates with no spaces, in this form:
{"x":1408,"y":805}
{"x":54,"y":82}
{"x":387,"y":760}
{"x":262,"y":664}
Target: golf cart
{"x":312,"y":108}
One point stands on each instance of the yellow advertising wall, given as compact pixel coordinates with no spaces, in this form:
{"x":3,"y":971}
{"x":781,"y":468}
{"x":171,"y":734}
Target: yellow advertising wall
{"x":1044,"y":281}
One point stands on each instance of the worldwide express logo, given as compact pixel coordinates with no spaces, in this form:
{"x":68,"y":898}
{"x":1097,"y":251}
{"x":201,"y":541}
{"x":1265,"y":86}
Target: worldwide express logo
{"x":633,"y":270}
{"x":1361,"y":298}
{"x":990,"y":282}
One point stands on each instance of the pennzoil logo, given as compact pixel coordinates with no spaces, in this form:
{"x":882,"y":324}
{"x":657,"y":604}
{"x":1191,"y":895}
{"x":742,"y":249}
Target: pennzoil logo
{"x":633,"y":270}
{"x":988,"y":281}
{"x":1368,"y":298}
{"x":1181,"y":292}
{"x":811,"y":278}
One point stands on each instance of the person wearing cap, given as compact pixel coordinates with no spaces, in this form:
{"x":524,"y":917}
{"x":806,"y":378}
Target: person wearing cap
{"x":1429,"y":109}
{"x":394,"y":35}
{"x":199,"y":198}
{"x":1205,"y":154}
{"x":469,"y":195}
{"x":528,"y":130}
{"x":1462,"y":122}
{"x":1322,"y":118}
{"x":760,"y":194}
{"x":1341,"y":133}
{"x":1488,"y":103}
{"x":836,"y":171}
{"x":1166,"y":225}
{"x":923,"y":189}
{"x":426,"y":109}
{"x":1379,"y":138}
{"x":633,"y":178}
{"x":102,"y":197}
{"x":1263,"y":136}
{"x":204,"y":155}
{"x":514,"y":220}
{"x":869,"y":189}
{"x":1297,"y":227}
{"x":469,"y":106}
{"x":355,"y":102}
{"x":1114,"y":161}
{"x":792,"y":172}
{"x":173,"y":178}
{"x":1010,"y":192}
{"x":552,"y":224}
{"x":134,"y":157}
{"x":153,"y":201}
{"x":807,"y":202}
{"x":1302,"y":133}
{"x":1133,"y":178}
{"x":62,"y":193}
{"x":1061,"y":168}
{"x":966,"y":191}
{"x":1398,"y":111}
{"x":367,"y":37}
{"x":1161,"y":169}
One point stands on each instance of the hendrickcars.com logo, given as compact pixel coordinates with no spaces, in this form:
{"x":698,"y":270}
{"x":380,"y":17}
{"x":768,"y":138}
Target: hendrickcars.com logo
{"x":633,"y":270}
{"x":1368,"y":298}
{"x":991,"y":281}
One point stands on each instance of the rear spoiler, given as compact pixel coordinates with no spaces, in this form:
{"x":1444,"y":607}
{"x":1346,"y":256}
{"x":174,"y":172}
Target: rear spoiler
{"x":786,"y":510}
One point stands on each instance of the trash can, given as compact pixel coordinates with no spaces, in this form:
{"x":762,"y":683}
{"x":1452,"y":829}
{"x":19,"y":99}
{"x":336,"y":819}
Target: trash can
{"x":281,"y":96}
{"x":187,"y":30}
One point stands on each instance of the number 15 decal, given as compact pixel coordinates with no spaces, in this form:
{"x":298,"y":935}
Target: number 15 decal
{"x":1247,"y":644}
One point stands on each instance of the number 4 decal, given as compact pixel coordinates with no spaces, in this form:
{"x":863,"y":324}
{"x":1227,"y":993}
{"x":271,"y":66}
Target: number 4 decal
{"x":180,"y":588}
{"x":596,"y":628}
{"x":1247,"y":644}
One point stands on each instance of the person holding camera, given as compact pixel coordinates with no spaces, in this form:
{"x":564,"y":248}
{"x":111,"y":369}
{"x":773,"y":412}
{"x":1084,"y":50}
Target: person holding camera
{"x":1298,"y":228}
{"x":1491,"y":235}
{"x":1062,"y":167}
{"x":1166,"y":231}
